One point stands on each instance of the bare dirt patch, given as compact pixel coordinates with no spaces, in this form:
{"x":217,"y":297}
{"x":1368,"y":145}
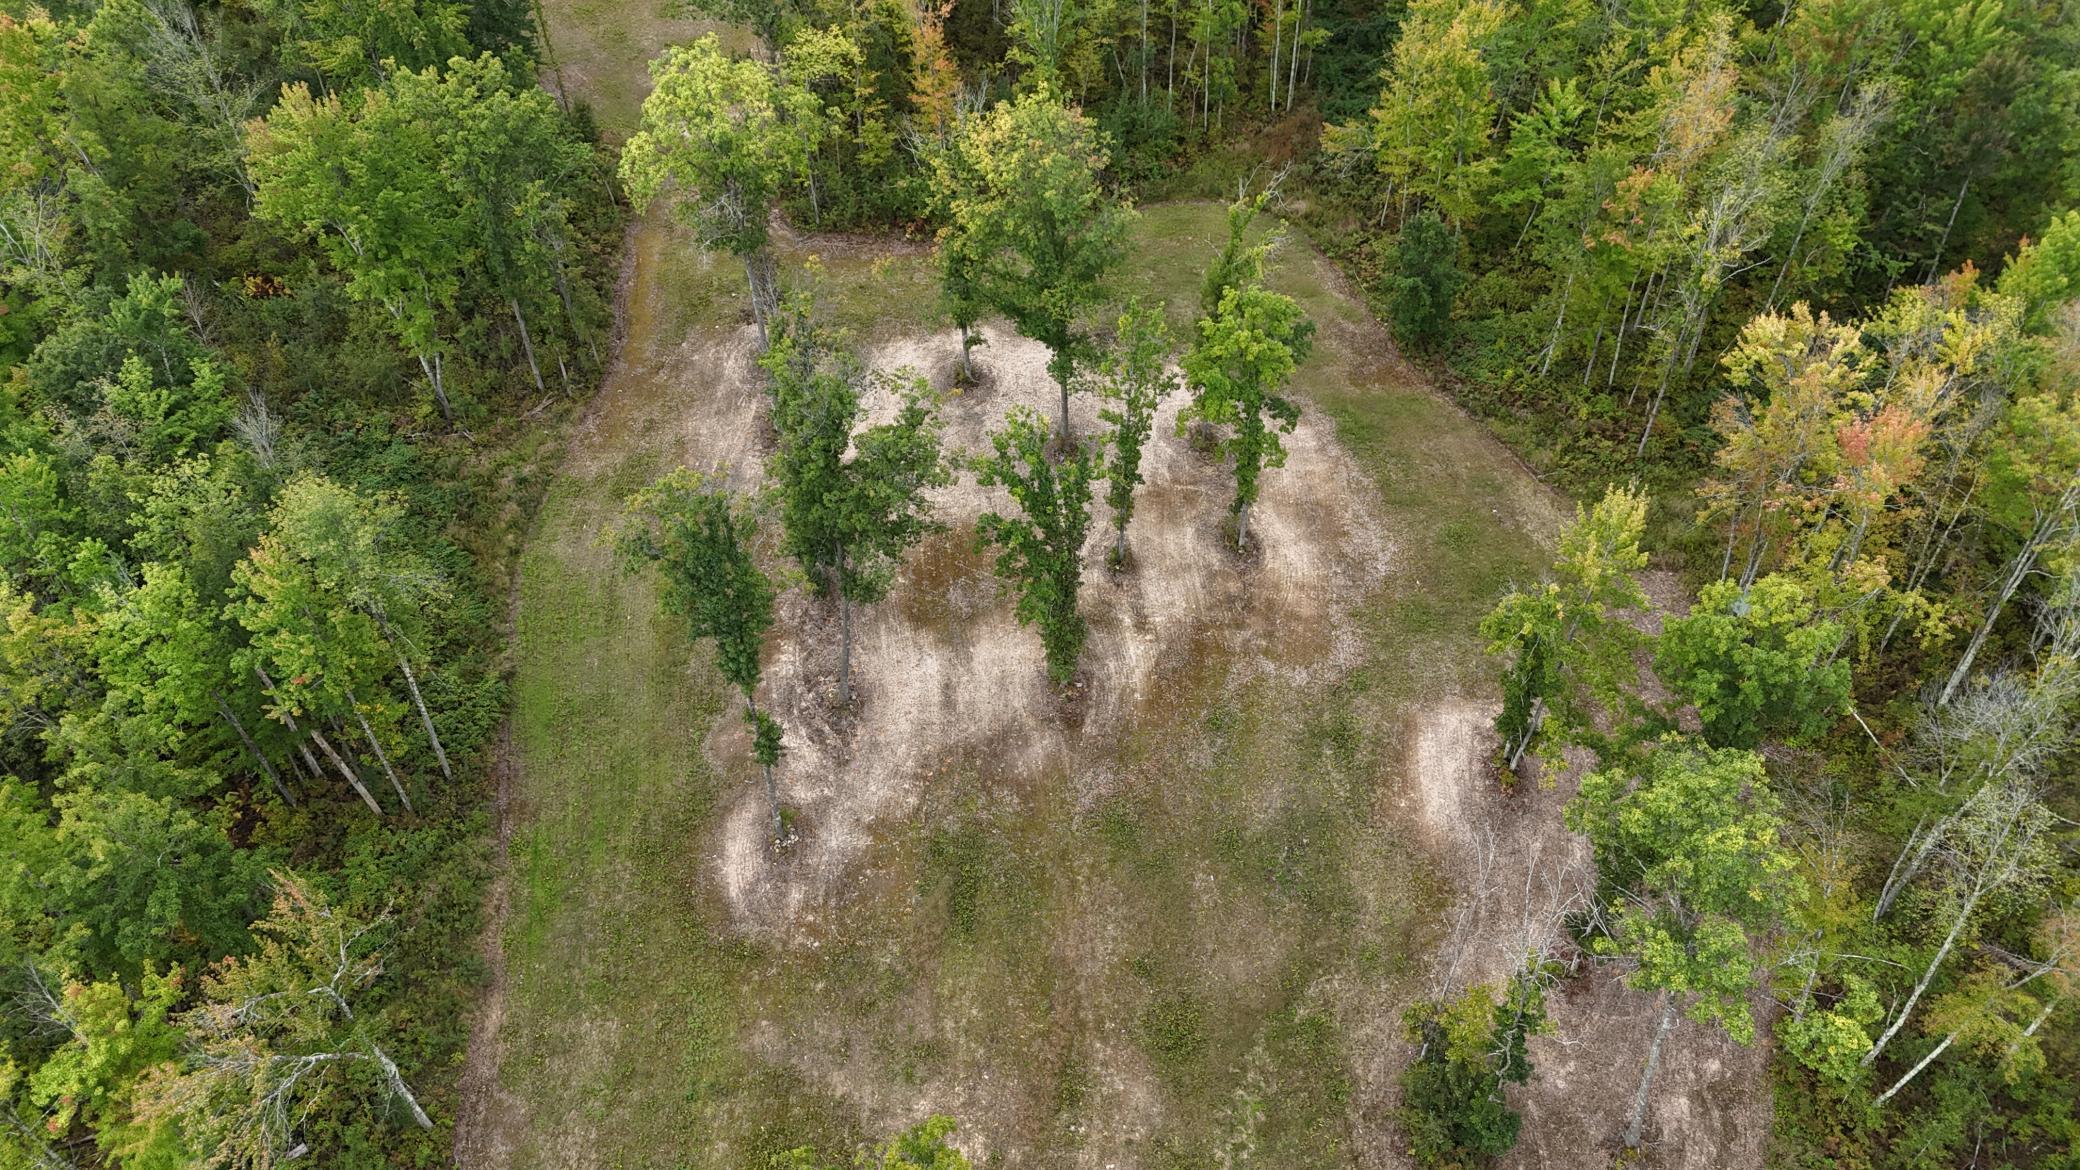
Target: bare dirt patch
{"x":947,"y":675}
{"x":1516,"y":870}
{"x":1515,"y":867}
{"x":1710,"y":1107}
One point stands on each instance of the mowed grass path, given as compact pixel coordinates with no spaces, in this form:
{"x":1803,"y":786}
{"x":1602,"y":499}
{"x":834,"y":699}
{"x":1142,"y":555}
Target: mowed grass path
{"x":1204,"y":964}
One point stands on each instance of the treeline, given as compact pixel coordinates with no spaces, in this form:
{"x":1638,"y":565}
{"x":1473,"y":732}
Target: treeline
{"x":269,"y":273}
{"x":1810,"y":273}
{"x":1807,"y":270}
{"x":1785,"y":841}
{"x":1622,"y":186}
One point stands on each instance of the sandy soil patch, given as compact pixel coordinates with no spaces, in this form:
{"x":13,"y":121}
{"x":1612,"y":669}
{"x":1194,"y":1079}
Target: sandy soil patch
{"x":1710,"y":1108}
{"x":945,"y":674}
{"x":1516,"y":870}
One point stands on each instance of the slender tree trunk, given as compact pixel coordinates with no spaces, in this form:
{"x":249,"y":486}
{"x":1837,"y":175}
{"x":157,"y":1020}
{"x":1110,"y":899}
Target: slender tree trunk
{"x":440,"y":391}
{"x":967,"y":344}
{"x":1912,"y":856}
{"x":1119,"y":545}
{"x":844,"y":649}
{"x":2018,"y":569}
{"x":1935,"y":262}
{"x":1923,"y":1063}
{"x":1523,"y":744}
{"x":352,"y":777}
{"x":1293,"y":74}
{"x":1278,"y":28}
{"x":1144,"y":52}
{"x":411,"y":683}
{"x":1553,"y":343}
{"x":527,"y":344}
{"x":346,"y":770}
{"x":397,"y":1086}
{"x":541,"y":27}
{"x":760,"y":274}
{"x":1242,"y":527}
{"x":1637,"y":1125}
{"x":258,"y":756}
{"x":310,"y":762}
{"x":1957,"y":925}
{"x":382,"y":757}
{"x":1660,"y":391}
{"x":1937,"y":539}
{"x":1170,"y":61}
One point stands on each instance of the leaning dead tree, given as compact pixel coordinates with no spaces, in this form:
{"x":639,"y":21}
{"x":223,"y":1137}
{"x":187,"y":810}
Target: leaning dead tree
{"x":278,"y":1032}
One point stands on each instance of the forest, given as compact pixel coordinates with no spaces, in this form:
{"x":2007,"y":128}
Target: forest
{"x":1103,"y":583}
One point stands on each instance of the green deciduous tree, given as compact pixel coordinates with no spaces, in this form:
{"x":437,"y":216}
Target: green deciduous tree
{"x":1571,"y":676}
{"x":1434,"y":117}
{"x":1246,"y":352}
{"x":1040,"y":552}
{"x":699,"y":539}
{"x":328,"y":596}
{"x":360,"y":177}
{"x":2032,"y":496}
{"x":716,"y":136}
{"x":852,"y":504}
{"x":1452,"y":1105}
{"x":510,"y":167}
{"x":1133,"y":379}
{"x":1755,"y":662}
{"x":113,"y":1041}
{"x":350,"y":43}
{"x":1035,"y":231}
{"x":1688,"y":849}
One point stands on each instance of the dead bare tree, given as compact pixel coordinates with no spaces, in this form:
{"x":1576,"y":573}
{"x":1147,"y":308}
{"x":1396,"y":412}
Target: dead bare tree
{"x":1996,"y":845}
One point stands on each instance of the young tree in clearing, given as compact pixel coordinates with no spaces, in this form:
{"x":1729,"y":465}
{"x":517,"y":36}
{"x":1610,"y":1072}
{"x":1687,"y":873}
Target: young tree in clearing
{"x":1041,"y":552}
{"x":1452,"y":1105}
{"x":278,"y":1029}
{"x":961,"y":300}
{"x":715,"y":135}
{"x":1134,"y":379}
{"x":1023,"y":211}
{"x":1239,"y":263}
{"x":1245,"y":354}
{"x":848,"y":520}
{"x":699,"y":538}
{"x":1571,"y":650}
{"x":1688,"y":848}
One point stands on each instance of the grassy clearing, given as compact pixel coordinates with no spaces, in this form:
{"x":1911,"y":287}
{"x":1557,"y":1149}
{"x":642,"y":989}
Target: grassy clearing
{"x":1178,"y":971}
